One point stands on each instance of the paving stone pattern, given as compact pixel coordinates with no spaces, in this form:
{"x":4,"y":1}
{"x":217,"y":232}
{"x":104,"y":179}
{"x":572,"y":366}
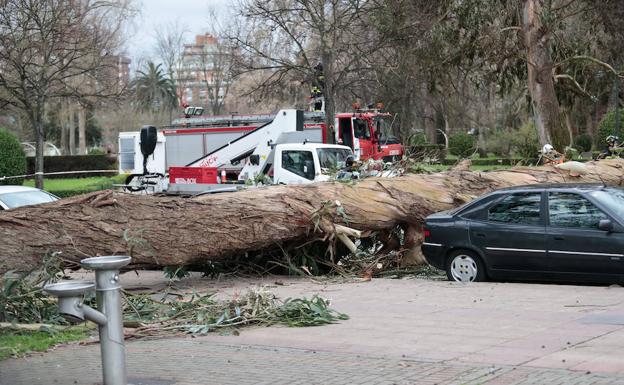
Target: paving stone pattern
{"x":192,"y":361}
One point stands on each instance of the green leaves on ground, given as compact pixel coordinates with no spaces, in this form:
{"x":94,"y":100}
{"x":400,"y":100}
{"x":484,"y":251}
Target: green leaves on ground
{"x":22,"y":299}
{"x":200,"y":314}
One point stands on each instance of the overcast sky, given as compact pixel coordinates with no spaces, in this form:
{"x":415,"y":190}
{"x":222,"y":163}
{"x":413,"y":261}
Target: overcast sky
{"x":193,"y":14}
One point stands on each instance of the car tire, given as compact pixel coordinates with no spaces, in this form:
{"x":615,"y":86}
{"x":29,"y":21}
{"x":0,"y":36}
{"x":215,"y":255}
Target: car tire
{"x":465,"y":266}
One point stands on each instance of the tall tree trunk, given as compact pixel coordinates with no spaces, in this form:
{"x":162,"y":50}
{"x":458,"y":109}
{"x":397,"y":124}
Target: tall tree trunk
{"x":37,"y":122}
{"x":546,"y":112}
{"x":428,"y":119}
{"x":162,"y":231}
{"x":330,"y":101}
{"x":82,"y":130}
{"x":72,"y":128}
{"x":64,"y":128}
{"x":569,"y":126}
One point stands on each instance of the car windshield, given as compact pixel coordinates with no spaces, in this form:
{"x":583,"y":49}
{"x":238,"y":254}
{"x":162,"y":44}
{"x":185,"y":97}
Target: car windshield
{"x":332,"y":157}
{"x":25,"y":198}
{"x":612,"y":198}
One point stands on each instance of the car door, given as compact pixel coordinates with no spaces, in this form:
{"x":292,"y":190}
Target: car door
{"x":362,"y":142}
{"x":575,"y":244}
{"x":296,"y":166}
{"x":511,"y":234}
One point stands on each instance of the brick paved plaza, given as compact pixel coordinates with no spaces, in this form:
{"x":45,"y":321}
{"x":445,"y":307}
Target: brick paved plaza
{"x":400,"y":332}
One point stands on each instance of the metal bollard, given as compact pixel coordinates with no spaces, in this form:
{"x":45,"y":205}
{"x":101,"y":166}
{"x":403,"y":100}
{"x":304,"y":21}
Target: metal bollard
{"x":108,"y":316}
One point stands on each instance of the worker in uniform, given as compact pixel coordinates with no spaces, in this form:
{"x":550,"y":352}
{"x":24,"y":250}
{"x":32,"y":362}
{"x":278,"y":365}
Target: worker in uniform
{"x":350,"y":170}
{"x":317,"y":98}
{"x":551,"y":156}
{"x":317,"y":90}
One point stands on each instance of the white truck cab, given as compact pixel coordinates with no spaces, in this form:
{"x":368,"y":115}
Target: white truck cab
{"x":298,"y":163}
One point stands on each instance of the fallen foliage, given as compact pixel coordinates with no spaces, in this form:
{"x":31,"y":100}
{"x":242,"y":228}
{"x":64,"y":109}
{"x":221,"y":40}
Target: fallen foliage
{"x":202,"y":313}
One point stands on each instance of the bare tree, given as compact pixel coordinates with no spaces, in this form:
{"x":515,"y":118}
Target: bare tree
{"x":216,"y":61}
{"x":170,"y":39}
{"x":47,"y":46}
{"x":298,"y":40}
{"x":170,"y":45}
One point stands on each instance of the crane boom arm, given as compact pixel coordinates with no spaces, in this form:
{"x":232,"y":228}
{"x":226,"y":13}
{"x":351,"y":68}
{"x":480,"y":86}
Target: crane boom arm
{"x":242,"y":147}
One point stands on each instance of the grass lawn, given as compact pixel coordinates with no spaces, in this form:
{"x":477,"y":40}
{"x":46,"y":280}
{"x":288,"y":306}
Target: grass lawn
{"x":73,"y":186}
{"x":17,"y":342}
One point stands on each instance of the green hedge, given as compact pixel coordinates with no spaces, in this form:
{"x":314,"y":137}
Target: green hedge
{"x":462,"y":144}
{"x":12,"y":158}
{"x":606,"y":127}
{"x":75,"y":163}
{"x":492,"y":161}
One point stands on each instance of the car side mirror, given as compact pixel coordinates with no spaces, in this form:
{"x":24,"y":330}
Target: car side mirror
{"x":605,"y":225}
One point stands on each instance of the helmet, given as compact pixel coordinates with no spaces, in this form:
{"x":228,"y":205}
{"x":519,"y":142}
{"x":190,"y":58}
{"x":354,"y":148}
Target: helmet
{"x":612,"y":139}
{"x":349,"y":161}
{"x":547,"y":148}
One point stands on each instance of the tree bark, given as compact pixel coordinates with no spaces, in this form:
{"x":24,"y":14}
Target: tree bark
{"x":162,"y":231}
{"x":63,"y":120}
{"x":37,"y":122}
{"x":72,"y":129}
{"x":546,"y":111}
{"x":82,"y":130}
{"x":329,"y":96}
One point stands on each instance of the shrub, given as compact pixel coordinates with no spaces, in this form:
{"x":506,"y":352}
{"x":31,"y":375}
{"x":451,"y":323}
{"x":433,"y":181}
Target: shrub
{"x":418,"y":139}
{"x":12,"y":158}
{"x":606,"y":127}
{"x":75,"y":163}
{"x":462,"y":144}
{"x":583,"y":143}
{"x":498,"y":142}
{"x":525,"y":141}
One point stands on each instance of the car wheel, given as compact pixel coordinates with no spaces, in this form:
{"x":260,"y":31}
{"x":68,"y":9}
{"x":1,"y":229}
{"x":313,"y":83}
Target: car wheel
{"x":465,"y":266}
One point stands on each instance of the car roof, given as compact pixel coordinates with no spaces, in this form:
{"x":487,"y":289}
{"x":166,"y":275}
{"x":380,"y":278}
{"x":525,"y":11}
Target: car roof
{"x":554,"y":186}
{"x":14,"y":189}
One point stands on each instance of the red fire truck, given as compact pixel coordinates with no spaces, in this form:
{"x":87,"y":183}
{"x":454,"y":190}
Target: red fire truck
{"x":192,"y":139}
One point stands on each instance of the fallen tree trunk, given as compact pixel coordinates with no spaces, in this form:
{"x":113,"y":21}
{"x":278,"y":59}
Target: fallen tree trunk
{"x":162,"y":231}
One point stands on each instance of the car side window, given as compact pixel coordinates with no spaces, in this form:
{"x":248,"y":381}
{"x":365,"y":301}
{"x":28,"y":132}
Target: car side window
{"x":521,"y":208}
{"x":299,"y":162}
{"x":572,"y":210}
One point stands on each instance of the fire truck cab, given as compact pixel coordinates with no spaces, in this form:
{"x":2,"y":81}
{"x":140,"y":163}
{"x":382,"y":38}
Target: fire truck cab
{"x":367,"y":133}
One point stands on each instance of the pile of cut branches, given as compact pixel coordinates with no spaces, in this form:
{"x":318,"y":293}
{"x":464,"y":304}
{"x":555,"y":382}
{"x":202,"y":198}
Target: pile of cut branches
{"x":202,"y":313}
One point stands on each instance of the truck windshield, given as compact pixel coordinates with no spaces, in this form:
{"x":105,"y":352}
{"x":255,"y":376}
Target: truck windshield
{"x":332,"y":157}
{"x":383,"y":127}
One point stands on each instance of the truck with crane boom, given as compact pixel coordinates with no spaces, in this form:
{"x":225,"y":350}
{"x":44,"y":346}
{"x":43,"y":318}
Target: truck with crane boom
{"x":281,"y":150}
{"x":197,"y":141}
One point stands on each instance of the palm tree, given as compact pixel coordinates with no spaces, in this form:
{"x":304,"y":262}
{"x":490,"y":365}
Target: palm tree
{"x":154,"y":90}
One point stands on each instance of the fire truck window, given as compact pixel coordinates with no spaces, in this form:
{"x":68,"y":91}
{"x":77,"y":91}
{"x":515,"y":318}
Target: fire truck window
{"x":360,"y":128}
{"x":299,"y":162}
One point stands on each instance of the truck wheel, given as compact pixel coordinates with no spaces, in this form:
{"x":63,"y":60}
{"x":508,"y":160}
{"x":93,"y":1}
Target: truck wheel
{"x":465,"y":266}
{"x":134,"y":183}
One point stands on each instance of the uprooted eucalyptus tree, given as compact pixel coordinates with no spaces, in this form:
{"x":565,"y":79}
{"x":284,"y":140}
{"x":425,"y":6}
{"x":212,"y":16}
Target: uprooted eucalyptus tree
{"x":161,"y":231}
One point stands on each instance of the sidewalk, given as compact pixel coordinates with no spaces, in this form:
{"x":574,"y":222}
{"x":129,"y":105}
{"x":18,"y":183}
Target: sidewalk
{"x":399,"y":332}
{"x":195,"y":361}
